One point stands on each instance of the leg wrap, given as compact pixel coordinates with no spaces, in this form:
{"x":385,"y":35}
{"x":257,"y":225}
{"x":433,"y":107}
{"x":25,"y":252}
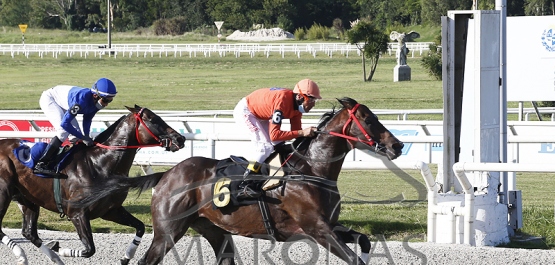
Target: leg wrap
{"x":364,"y":257}
{"x":50,"y":254}
{"x":66,"y":252}
{"x":17,"y":251}
{"x":132,"y":247}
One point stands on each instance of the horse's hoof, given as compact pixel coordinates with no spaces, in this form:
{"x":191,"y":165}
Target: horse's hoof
{"x":53,"y":245}
{"x":124,"y":261}
{"x":22,"y":261}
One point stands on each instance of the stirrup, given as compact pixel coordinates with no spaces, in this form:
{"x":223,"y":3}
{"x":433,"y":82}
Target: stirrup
{"x":42,"y":168}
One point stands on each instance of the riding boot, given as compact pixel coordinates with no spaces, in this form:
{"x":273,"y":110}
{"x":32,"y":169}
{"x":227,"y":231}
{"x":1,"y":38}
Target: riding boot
{"x":51,"y":151}
{"x":249,"y":188}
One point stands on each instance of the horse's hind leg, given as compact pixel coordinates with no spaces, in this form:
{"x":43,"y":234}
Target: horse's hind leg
{"x":30,"y":218}
{"x":216,"y":237}
{"x":4,"y":203}
{"x":121,"y":216}
{"x":167,"y":232}
{"x":352,"y":236}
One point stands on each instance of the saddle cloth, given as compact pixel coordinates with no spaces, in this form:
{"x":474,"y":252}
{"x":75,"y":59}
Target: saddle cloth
{"x":29,"y":153}
{"x":229,"y":174}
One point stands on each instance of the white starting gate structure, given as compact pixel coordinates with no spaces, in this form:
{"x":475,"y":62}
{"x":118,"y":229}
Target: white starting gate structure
{"x":476,"y":198}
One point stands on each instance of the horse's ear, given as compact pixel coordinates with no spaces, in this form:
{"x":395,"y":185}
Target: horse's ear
{"x":347,"y":103}
{"x":133,"y":110}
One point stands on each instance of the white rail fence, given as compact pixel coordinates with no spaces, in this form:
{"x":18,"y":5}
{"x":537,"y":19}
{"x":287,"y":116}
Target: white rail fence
{"x":396,"y":114}
{"x":194,"y":50}
{"x":211,"y":135}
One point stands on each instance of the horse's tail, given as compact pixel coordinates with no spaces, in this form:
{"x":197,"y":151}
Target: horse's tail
{"x":116,"y":184}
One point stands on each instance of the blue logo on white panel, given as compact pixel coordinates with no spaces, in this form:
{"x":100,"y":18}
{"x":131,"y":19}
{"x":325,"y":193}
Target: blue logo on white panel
{"x":547,"y":148}
{"x":437,"y":146}
{"x":399,"y":133}
{"x":548,"y":40}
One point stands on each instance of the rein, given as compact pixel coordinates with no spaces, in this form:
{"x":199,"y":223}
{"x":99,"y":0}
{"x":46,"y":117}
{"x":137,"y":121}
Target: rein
{"x":352,"y":117}
{"x":369,"y":141}
{"x":308,"y":178}
{"x":139,"y":119}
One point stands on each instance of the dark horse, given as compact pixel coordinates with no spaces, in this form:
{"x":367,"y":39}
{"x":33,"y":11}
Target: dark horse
{"x":309,"y":206}
{"x":113,"y":154}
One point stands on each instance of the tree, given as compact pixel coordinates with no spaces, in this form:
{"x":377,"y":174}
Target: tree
{"x":371,"y":41}
{"x":14,"y":12}
{"x":127,"y":15}
{"x":411,"y":11}
{"x":383,"y":13}
{"x":62,"y":10}
{"x":233,"y":12}
{"x":539,"y":7}
{"x":278,"y":12}
{"x":433,"y":10}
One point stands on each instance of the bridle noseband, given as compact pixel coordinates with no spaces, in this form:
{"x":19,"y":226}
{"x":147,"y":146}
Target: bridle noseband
{"x":369,"y":141}
{"x":164,"y":142}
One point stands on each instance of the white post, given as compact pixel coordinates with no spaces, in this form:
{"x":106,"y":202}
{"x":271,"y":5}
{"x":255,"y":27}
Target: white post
{"x":109,"y":18}
{"x":501,"y":5}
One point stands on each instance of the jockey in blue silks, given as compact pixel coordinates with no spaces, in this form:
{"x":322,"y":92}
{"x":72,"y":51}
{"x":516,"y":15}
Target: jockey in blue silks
{"x":61,"y":104}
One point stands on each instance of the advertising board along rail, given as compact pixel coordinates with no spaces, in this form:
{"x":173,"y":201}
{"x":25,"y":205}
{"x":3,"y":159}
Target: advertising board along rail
{"x":204,"y":130}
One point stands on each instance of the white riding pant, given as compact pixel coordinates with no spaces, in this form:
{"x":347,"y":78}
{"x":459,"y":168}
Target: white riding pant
{"x":257,"y":131}
{"x":54,"y":113}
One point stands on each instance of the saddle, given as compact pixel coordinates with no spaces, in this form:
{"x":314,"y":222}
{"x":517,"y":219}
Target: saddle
{"x":229,"y":174}
{"x":29,"y":153}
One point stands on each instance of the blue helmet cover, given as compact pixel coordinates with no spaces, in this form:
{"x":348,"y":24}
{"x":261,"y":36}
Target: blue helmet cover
{"x":104,"y":87}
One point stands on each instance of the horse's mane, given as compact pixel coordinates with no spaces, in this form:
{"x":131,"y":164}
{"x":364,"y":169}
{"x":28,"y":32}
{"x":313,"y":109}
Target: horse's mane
{"x":303,"y":142}
{"x":103,"y":136}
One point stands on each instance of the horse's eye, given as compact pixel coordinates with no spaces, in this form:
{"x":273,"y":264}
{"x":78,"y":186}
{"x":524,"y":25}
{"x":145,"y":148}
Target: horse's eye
{"x":368,"y":121}
{"x":155,"y":119}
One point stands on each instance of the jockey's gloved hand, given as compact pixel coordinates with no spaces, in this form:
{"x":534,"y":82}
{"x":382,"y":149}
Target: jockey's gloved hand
{"x":73,"y":140}
{"x":88,"y":141}
{"x":307,"y":132}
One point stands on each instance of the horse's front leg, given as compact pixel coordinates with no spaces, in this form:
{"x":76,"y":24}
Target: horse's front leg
{"x":123,"y":217}
{"x":4,"y":203}
{"x":83,"y":226}
{"x":30,"y":213}
{"x":352,"y":236}
{"x":323,"y":233}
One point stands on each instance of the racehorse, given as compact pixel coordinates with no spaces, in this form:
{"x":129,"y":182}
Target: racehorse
{"x":307,"y":205}
{"x":113,"y":154}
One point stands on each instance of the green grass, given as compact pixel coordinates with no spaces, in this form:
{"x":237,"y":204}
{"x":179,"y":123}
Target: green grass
{"x":215,"y":82}
{"x":371,"y":198}
{"x":38,"y":35}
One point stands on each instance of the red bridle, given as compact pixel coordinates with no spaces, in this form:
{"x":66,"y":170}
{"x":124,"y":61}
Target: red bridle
{"x":352,"y":117}
{"x":139,"y":119}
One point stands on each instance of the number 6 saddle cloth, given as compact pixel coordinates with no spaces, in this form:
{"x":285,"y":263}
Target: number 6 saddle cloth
{"x":229,"y":174}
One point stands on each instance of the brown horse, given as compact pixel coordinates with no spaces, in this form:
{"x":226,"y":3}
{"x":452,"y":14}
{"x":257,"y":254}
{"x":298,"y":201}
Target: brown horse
{"x":307,"y":205}
{"x":113,"y":154}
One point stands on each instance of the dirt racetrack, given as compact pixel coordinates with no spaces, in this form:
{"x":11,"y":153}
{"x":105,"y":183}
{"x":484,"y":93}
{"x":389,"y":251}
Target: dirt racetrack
{"x":110,"y":247}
